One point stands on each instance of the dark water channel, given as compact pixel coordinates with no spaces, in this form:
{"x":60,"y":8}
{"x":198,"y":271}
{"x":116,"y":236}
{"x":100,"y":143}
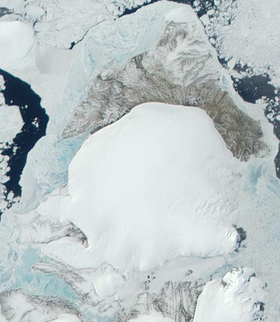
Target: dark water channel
{"x":35,"y":120}
{"x":201,"y":9}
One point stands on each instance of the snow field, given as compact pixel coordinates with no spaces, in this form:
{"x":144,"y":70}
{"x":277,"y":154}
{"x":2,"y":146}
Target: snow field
{"x":142,"y":192}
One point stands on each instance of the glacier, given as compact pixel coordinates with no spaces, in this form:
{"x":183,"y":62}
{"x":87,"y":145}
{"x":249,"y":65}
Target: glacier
{"x":16,"y":43}
{"x":85,"y":242}
{"x":154,"y":174}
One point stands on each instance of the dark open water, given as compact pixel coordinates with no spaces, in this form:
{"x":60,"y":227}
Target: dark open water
{"x":35,"y":120}
{"x":204,"y":6}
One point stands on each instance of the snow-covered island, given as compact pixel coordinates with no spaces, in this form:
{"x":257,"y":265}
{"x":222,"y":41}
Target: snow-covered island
{"x":150,"y":194}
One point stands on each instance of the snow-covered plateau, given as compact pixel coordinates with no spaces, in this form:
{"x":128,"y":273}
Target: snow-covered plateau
{"x":151,"y":196}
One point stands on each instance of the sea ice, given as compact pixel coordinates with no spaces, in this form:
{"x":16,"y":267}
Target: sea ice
{"x":10,"y":122}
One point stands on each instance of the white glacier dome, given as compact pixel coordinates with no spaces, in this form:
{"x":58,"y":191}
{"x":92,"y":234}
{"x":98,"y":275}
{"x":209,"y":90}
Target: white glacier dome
{"x":16,"y":42}
{"x":150,"y":187}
